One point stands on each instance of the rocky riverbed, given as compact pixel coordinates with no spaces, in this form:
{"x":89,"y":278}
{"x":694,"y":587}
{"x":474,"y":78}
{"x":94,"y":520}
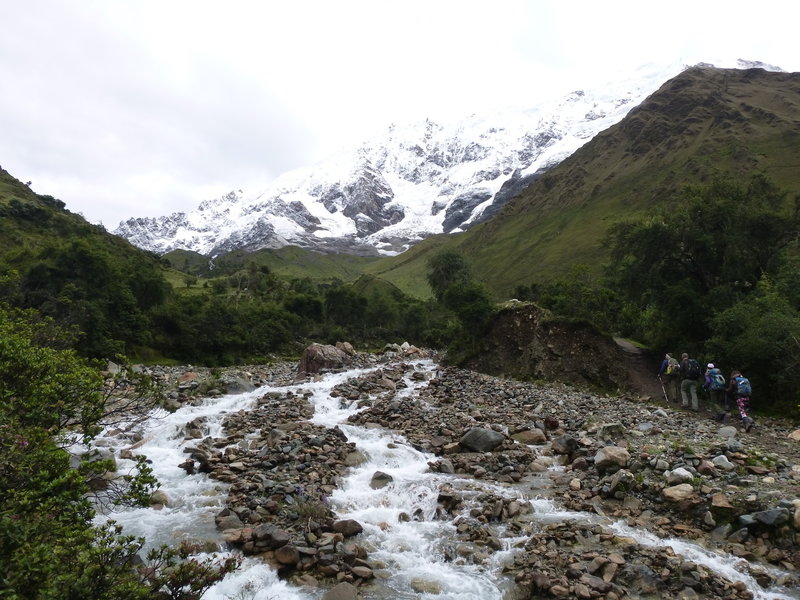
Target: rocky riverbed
{"x":608,"y":462}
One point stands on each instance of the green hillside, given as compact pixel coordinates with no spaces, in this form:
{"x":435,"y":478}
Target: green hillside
{"x":701,"y":124}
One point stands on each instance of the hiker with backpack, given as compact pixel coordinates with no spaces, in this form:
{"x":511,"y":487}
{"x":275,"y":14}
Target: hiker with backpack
{"x":690,"y":372}
{"x":670,"y":372}
{"x":739,"y":388}
{"x":715,"y":385}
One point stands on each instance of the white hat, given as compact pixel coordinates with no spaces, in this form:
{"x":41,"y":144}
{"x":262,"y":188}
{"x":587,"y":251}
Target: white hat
{"x":710,"y":365}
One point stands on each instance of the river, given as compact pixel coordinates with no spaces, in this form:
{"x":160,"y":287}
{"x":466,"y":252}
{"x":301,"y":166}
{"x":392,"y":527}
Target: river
{"x":416,"y":554}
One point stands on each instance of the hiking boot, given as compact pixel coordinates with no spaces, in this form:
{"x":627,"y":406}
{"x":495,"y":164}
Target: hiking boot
{"x":748,"y":425}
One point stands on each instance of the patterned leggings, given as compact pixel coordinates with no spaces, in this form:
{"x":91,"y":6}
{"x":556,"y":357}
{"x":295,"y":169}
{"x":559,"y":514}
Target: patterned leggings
{"x":743,"y":403}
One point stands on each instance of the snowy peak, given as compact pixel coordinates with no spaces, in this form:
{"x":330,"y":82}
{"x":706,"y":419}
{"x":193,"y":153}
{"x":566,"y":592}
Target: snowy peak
{"x":413,"y":181}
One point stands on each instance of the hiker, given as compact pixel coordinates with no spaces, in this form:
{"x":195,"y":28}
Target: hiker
{"x":715,"y":385}
{"x":670,"y":371}
{"x":739,"y":389}
{"x":690,"y":373}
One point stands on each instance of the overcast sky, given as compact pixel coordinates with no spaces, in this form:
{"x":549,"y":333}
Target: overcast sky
{"x":129,"y":108}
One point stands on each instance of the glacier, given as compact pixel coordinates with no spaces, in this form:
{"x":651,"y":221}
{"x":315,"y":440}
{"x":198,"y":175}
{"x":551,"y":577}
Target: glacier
{"x":412,"y":181}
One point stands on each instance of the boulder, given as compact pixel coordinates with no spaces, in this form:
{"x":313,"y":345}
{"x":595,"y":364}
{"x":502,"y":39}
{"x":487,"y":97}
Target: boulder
{"x":159,"y":498}
{"x":348,"y":527}
{"x":564,"y":444}
{"x":611,"y":458}
{"x":271,"y":536}
{"x":770,"y":518}
{"x":479,"y":439}
{"x":341,"y":591}
{"x":346,"y":347}
{"x":227,"y":519}
{"x":530,"y":437}
{"x":679,"y":492}
{"x":679,"y":475}
{"x":380,"y":480}
{"x":722,"y":462}
{"x":287,"y":555}
{"x":322,"y":357}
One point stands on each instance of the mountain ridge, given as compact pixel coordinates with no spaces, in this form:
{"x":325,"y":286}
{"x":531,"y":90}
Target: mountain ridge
{"x":392,"y":191}
{"x":704,"y":123}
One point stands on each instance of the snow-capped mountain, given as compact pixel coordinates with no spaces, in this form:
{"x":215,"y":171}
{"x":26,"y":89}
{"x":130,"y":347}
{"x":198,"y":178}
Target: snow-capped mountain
{"x":412,"y":182}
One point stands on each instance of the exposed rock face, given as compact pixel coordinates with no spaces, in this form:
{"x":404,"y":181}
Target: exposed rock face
{"x":525,"y":342}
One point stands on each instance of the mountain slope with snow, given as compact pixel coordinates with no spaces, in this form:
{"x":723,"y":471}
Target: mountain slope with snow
{"x":394,"y":190}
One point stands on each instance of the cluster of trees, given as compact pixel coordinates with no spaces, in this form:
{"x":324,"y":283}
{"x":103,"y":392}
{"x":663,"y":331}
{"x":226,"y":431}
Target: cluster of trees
{"x":120,"y":305}
{"x":715,"y":273}
{"x":49,"y":399}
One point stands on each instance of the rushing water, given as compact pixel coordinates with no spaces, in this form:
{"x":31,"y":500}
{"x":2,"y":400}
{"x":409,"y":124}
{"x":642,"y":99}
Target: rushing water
{"x":414,"y":556}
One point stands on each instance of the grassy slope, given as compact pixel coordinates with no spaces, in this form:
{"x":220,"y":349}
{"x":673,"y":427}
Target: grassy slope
{"x":703,"y":122}
{"x":29,"y":220}
{"x":288,"y":262}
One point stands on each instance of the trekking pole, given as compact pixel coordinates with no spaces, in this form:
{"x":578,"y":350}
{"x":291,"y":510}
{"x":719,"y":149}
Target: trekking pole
{"x":662,"y":388}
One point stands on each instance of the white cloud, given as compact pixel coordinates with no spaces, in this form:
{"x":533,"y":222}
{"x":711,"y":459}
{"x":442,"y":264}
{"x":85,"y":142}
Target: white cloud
{"x":125,"y":108}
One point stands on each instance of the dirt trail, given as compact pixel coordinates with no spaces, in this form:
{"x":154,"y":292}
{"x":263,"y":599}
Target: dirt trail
{"x":642,"y":368}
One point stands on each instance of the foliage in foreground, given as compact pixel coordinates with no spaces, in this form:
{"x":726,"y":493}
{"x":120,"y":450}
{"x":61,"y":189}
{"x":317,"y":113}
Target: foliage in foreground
{"x":50,"y":398}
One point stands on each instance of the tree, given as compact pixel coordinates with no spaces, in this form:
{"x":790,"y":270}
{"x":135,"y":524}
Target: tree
{"x":471,"y":304}
{"x":445,"y":269}
{"x":760,"y":336}
{"x":700,"y":254}
{"x":48,"y":544}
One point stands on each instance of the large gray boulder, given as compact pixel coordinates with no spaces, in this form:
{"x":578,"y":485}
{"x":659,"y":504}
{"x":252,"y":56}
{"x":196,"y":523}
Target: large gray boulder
{"x":479,"y":439}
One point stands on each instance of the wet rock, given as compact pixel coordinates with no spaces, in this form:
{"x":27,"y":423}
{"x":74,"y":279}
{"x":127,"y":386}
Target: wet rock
{"x":564,"y":445}
{"x":355,"y":458}
{"x":227,"y":519}
{"x":160,"y":498}
{"x":341,"y":591}
{"x":424,"y":586}
{"x":348,"y":527}
{"x":362,"y":572}
{"x":380,"y":480}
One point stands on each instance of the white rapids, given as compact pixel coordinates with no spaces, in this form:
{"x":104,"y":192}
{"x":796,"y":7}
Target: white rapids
{"x":410,"y":548}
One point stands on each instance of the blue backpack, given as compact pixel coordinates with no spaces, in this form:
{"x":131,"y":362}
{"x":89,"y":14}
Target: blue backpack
{"x":717,"y":379}
{"x":743,"y":386}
